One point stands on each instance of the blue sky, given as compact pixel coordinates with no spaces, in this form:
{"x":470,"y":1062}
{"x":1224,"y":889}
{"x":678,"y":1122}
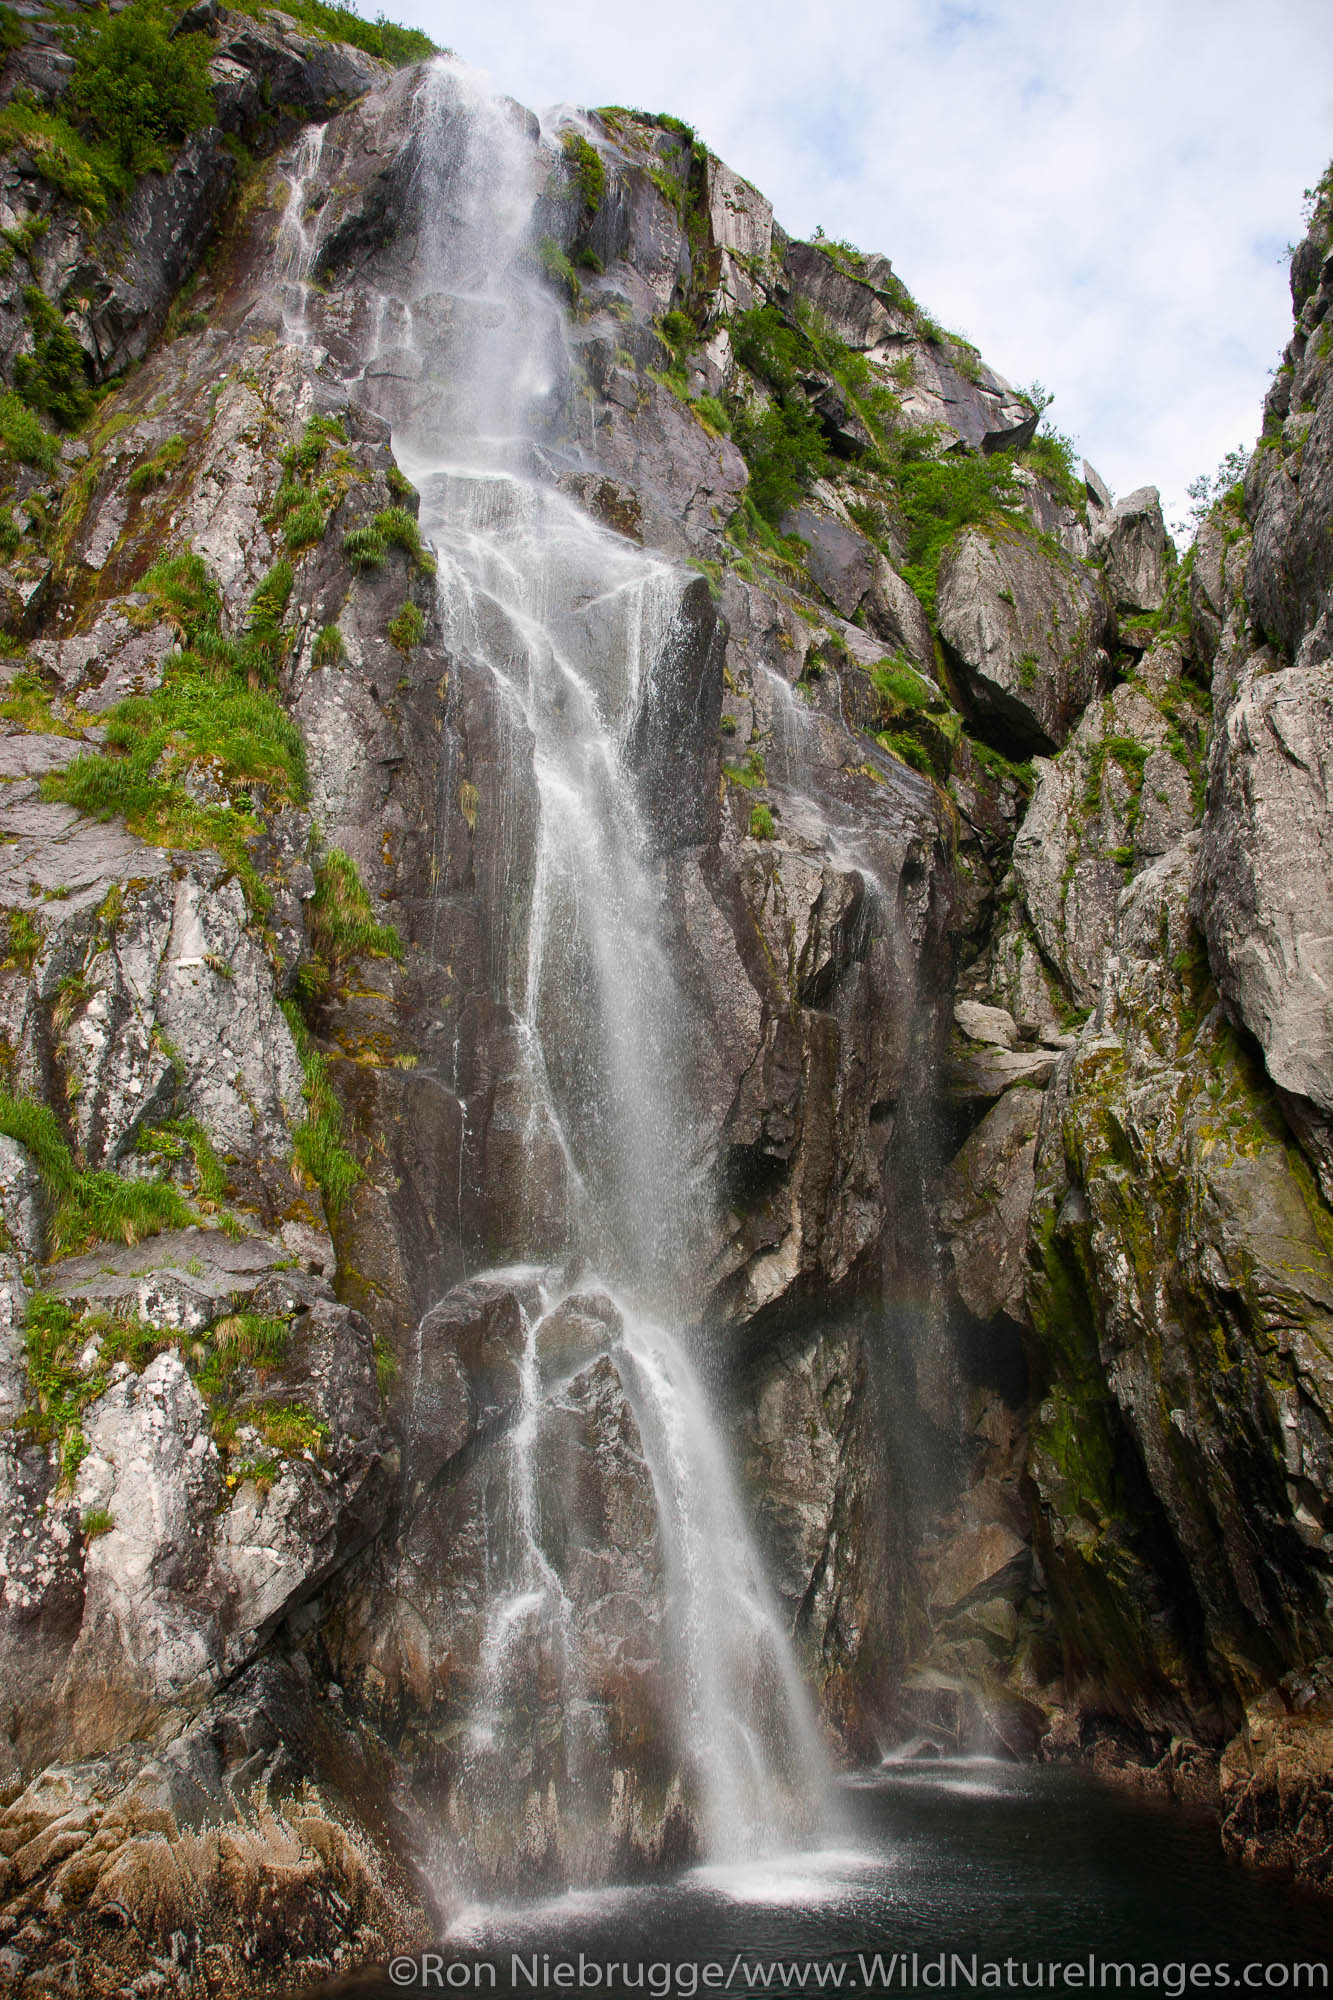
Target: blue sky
{"x":1100,"y":196}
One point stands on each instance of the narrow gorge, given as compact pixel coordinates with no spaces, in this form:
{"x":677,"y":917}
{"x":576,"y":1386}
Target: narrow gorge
{"x":667,"y":1056}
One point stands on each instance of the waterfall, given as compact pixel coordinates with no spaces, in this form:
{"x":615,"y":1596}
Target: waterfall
{"x":563,"y":621}
{"x":298,"y":232}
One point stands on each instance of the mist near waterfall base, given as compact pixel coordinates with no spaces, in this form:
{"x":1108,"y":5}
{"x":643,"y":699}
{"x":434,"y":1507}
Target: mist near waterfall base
{"x":1099,"y":198}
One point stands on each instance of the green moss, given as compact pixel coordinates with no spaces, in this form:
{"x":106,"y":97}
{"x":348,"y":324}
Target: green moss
{"x":907,"y":749}
{"x":996,"y":765}
{"x":1130,"y":755}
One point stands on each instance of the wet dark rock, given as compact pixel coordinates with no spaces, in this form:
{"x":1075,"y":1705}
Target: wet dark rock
{"x":672,"y":743}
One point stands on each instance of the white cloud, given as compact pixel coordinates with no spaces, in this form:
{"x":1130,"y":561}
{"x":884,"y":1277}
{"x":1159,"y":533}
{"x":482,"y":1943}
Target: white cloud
{"x":1099,"y":196}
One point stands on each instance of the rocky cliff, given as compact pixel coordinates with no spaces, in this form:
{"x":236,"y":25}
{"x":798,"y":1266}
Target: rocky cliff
{"x":982,"y":843}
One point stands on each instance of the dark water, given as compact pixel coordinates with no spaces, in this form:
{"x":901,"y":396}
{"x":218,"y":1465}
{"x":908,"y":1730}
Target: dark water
{"x":1022,"y":1872}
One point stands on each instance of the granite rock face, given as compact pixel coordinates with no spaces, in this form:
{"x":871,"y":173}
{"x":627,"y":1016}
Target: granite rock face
{"x":993,"y":892}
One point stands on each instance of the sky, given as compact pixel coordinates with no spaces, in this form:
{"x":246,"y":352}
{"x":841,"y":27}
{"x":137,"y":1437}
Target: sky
{"x":1100,"y":196}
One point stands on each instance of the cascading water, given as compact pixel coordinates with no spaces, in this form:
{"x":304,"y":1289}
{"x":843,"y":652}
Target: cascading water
{"x":298,"y":232}
{"x":564,"y":621}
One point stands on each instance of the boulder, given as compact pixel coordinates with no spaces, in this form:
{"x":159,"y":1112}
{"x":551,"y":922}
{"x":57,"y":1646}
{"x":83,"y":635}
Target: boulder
{"x":1132,"y":543}
{"x":983,"y":1207}
{"x":980,"y":1023}
{"x":1025,"y":632}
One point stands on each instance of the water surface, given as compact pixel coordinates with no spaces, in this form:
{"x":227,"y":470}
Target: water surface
{"x":1023,"y":1867}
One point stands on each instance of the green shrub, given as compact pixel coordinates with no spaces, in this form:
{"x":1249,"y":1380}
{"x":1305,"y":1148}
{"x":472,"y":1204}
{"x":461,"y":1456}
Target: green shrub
{"x":54,"y":377}
{"x":136,"y":88}
{"x":97,"y":1521}
{"x":407,"y":628}
{"x":770,"y":347}
{"x":558,"y":268}
{"x":762,"y":826}
{"x":87,"y":175}
{"x":385,"y":39}
{"x":783,"y":446}
{"x":22,"y":437}
{"x":937,"y":497}
{"x":584,"y":165}
{"x":1053,"y":457}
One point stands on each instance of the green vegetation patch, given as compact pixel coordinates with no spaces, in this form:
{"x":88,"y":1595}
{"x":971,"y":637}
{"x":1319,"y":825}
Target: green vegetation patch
{"x":385,"y":39}
{"x":342,"y":926}
{"x":213,"y":712}
{"x":159,"y":467}
{"x":137,"y":89}
{"x":586,"y":170}
{"x":319,"y":1156}
{"x":88,"y":1205}
{"x":369,"y":545}
{"x":936,"y":498}
{"x":54,"y":378}
{"x":304,"y":504}
{"x":407,"y":627}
